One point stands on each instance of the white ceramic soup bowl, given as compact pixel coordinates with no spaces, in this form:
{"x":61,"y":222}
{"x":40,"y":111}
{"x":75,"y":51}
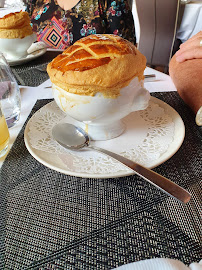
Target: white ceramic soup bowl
{"x":101,"y":116}
{"x":15,"y":48}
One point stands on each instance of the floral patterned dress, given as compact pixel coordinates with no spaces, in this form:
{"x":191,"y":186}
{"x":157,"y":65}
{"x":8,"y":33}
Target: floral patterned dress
{"x":59,"y":28}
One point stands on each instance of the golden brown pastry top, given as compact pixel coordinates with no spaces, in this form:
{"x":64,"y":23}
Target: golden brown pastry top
{"x":15,"y":25}
{"x":92,"y":52}
{"x":97,"y":63}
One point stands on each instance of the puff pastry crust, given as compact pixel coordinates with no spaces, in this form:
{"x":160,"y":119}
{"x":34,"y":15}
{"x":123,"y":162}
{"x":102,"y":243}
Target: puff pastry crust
{"x":97,"y":63}
{"x":15,"y":25}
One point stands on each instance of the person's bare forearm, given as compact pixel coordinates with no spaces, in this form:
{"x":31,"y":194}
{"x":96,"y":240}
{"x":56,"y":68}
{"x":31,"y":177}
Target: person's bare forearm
{"x":187,"y":77}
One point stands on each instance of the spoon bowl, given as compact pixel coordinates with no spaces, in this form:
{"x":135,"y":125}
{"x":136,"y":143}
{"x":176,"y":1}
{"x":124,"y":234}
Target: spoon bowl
{"x":70,"y":137}
{"x":75,"y":138}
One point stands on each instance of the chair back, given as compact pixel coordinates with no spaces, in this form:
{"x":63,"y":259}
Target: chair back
{"x":158,"y":23}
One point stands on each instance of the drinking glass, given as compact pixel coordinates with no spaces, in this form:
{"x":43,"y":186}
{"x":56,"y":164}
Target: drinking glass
{"x":9,"y":93}
{"x":4,"y":135}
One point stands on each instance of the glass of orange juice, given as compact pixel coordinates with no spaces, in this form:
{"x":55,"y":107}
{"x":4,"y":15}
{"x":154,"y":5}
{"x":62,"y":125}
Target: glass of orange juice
{"x":4,"y":135}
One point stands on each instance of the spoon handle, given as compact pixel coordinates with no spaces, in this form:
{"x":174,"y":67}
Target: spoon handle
{"x":152,"y":177}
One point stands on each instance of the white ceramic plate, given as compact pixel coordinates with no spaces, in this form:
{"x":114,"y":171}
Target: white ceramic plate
{"x":27,"y":58}
{"x":65,"y":162}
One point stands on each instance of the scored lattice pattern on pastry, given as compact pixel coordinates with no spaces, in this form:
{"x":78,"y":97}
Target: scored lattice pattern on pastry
{"x":93,"y":51}
{"x":97,"y":63}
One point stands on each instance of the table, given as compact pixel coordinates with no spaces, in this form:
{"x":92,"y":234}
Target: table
{"x":55,"y":221}
{"x":30,"y":94}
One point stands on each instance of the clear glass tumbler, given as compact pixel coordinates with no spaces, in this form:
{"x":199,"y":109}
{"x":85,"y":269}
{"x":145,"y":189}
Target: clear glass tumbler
{"x":9,"y":93}
{"x":4,"y":135}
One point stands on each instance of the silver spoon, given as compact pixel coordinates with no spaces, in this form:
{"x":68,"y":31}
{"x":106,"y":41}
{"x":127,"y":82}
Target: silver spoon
{"x":75,"y":138}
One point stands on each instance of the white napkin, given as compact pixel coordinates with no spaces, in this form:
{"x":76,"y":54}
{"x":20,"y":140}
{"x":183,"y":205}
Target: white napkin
{"x":160,"y":264}
{"x":36,"y":47}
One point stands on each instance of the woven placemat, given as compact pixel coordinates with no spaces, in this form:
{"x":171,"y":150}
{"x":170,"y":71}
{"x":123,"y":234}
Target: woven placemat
{"x":29,"y":74}
{"x":55,"y":221}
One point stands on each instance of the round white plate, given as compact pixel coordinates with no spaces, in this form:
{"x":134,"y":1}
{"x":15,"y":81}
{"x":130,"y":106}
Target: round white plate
{"x":27,"y":58}
{"x":98,"y":165}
